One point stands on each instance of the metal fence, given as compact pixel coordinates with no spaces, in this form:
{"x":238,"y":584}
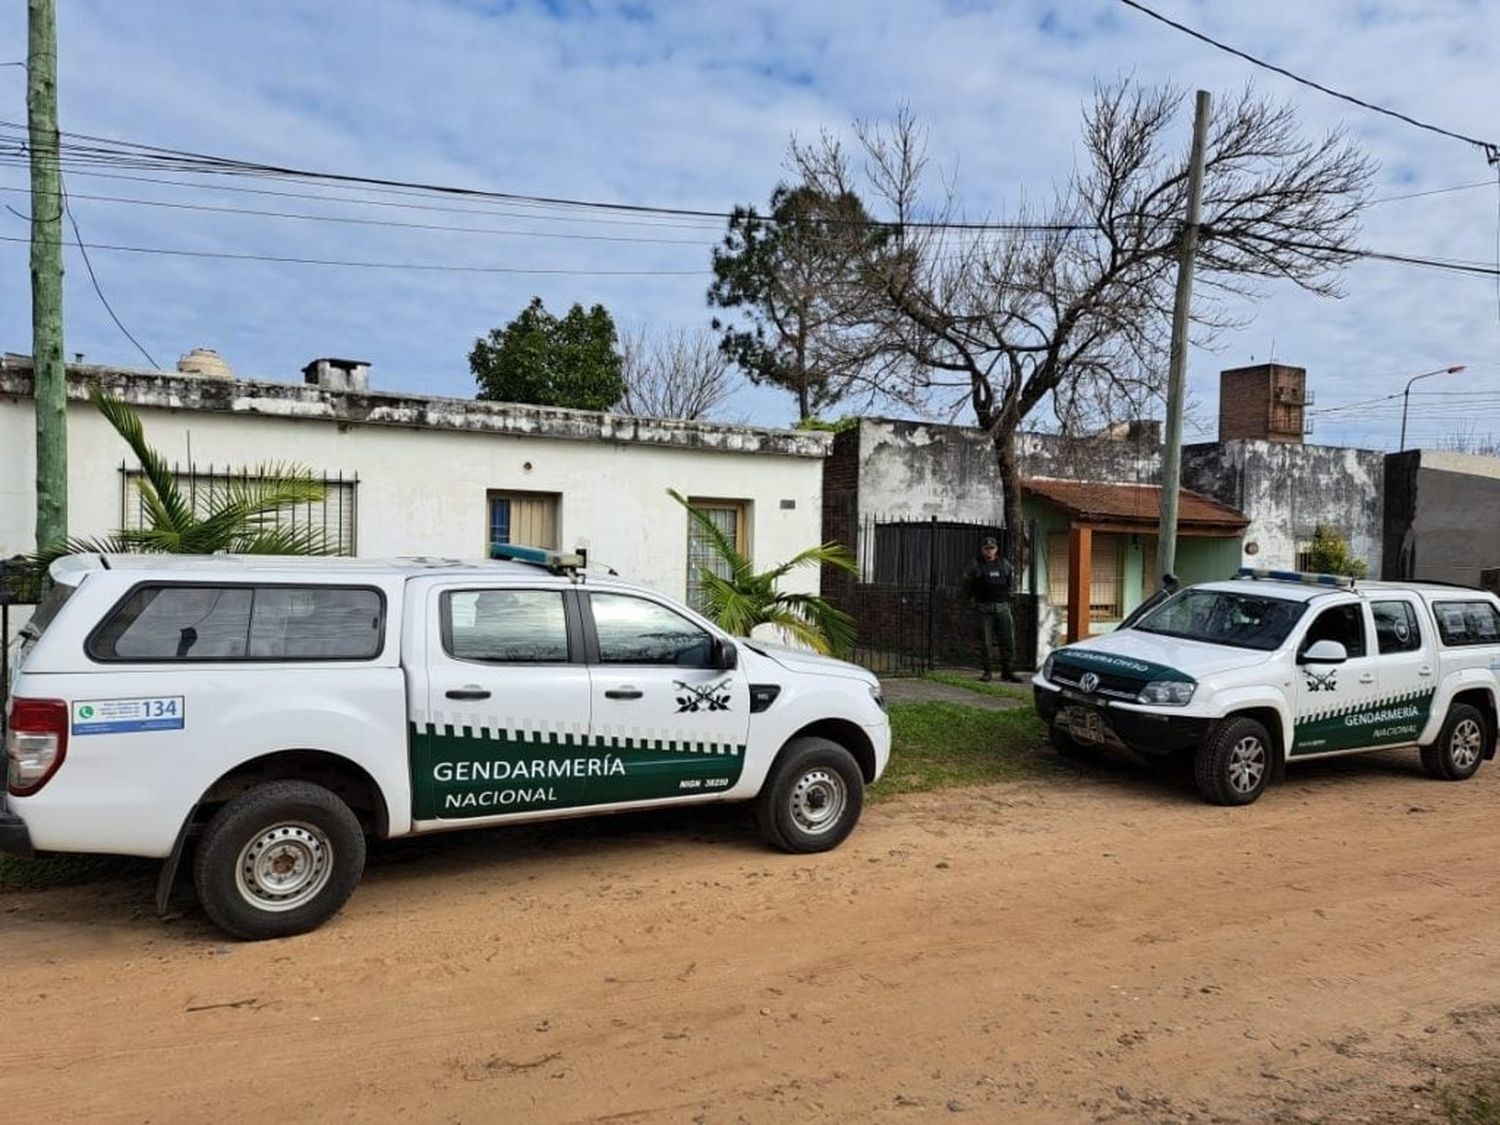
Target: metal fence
{"x":334,"y":515}
{"x":911,"y":610}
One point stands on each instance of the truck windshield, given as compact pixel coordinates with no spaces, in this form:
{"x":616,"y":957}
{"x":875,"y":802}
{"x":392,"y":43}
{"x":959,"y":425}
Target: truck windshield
{"x":1221,"y":617}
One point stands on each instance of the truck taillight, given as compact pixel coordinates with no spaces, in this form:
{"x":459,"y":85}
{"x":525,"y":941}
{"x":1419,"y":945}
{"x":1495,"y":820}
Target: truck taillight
{"x":36,"y":741}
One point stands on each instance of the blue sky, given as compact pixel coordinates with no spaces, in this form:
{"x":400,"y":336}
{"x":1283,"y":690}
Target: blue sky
{"x":691,"y":105}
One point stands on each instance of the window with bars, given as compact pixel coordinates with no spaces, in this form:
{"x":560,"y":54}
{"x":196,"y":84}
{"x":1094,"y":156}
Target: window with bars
{"x":730,"y":518}
{"x":1106,"y":576}
{"x":334,"y":515}
{"x":524,"y":517}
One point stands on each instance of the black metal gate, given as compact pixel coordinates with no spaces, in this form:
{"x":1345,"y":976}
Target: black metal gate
{"x":910,"y":608}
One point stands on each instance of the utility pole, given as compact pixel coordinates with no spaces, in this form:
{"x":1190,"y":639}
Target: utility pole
{"x":48,"y":371}
{"x":1171,"y":461}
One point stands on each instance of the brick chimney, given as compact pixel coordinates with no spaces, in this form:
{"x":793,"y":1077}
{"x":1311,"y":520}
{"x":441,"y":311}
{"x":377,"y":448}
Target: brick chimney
{"x":1265,"y":402}
{"x":338,"y":374}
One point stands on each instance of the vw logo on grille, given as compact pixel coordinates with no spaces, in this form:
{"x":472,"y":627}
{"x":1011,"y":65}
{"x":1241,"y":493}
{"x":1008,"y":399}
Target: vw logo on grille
{"x":1088,"y":682}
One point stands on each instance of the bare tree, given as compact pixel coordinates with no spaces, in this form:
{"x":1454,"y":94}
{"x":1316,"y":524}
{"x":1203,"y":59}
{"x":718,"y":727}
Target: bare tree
{"x":1070,"y":305}
{"x":676,"y":374}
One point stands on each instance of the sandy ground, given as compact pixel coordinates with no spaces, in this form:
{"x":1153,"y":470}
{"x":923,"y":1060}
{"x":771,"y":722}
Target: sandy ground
{"x":1090,"y":948}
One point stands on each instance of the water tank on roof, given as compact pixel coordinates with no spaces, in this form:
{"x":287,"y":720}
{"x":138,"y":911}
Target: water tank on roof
{"x":205,"y":362}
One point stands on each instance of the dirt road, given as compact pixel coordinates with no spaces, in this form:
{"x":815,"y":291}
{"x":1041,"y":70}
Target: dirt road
{"x":1097,"y":948}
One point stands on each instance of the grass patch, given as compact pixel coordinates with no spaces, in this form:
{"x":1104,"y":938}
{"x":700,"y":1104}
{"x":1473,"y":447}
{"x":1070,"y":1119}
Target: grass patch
{"x":980,"y":687}
{"x":17,"y":874}
{"x":940,"y":745}
{"x":1471,"y":1105}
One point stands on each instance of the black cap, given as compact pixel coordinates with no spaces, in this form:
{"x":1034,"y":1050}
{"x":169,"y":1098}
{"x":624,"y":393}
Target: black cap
{"x":990,"y":541}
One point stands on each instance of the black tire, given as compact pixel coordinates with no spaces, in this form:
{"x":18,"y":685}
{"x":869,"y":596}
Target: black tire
{"x":1068,"y":747}
{"x":1460,"y":745}
{"x":1234,"y":763}
{"x":812,"y":799}
{"x":249,"y":844}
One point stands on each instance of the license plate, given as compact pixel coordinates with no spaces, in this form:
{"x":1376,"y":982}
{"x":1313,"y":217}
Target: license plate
{"x":1084,"y":725}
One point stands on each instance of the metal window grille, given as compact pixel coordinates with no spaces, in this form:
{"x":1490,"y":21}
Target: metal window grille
{"x":334,"y":515}
{"x":728,"y":518}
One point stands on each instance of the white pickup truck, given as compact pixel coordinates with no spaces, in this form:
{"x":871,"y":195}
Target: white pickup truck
{"x":1273,"y":667}
{"x":268,"y":715}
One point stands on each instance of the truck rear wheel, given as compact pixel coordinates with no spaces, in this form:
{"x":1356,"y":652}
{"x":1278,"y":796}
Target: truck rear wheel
{"x":1459,"y":748}
{"x":1234,"y":764}
{"x":279,"y":859}
{"x":812,"y":799}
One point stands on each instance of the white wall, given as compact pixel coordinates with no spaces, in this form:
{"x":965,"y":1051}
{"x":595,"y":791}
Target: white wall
{"x":423,"y":491}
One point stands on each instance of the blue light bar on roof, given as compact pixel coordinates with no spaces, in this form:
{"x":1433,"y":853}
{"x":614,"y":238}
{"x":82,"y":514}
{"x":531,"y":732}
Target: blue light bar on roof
{"x":536,"y":556}
{"x":1306,"y":579}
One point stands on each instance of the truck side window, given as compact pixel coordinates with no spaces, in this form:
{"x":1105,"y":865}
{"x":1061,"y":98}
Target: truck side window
{"x":1467,"y":623}
{"x":637,"y":631}
{"x":1396,"y":628}
{"x":505,"y":626}
{"x":315,"y":623}
{"x":177,"y":623}
{"x":1342,"y":623}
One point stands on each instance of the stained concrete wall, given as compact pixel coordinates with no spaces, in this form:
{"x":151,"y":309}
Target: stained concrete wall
{"x":425,"y":466}
{"x":1442,"y":516}
{"x":1287,"y":490}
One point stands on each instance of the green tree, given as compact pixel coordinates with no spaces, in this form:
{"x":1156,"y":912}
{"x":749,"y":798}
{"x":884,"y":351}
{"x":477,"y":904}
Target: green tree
{"x":239,"y":516}
{"x":536,"y":358}
{"x":1329,"y":554}
{"x":745,"y":599}
{"x":788,"y":276}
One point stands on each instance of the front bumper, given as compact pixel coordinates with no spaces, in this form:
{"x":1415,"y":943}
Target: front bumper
{"x":1152,"y":734}
{"x":15,"y":839}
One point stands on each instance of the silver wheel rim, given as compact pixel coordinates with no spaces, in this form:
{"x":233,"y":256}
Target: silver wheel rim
{"x":284,"y":867}
{"x":1247,"y":764}
{"x":1466,"y":744}
{"x":818,"y":801}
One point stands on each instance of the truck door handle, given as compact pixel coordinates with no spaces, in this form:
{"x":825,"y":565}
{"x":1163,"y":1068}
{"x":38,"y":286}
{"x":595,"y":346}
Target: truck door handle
{"x":1425,"y":670}
{"x":468,"y":693}
{"x":1367,"y":678}
{"x":624,"y":693}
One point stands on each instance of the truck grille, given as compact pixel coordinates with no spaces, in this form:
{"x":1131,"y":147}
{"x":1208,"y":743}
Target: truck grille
{"x":1110,"y":685}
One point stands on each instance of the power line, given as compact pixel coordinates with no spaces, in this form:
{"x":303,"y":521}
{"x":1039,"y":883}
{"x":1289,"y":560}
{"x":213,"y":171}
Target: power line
{"x":1433,"y":191}
{"x":136,"y":154}
{"x":103,"y":300}
{"x":254,"y":212}
{"x":1489,"y":148}
{"x":415,"y":266}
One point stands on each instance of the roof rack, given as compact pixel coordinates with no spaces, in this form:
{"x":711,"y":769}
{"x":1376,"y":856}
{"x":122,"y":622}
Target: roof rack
{"x":554,"y":562}
{"x":1339,"y":581}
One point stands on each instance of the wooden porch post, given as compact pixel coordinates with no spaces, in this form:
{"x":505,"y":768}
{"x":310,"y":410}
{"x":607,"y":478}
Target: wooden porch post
{"x":1080,"y":575}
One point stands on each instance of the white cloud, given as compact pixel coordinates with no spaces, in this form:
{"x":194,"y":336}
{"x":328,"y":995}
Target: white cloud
{"x":691,"y":105}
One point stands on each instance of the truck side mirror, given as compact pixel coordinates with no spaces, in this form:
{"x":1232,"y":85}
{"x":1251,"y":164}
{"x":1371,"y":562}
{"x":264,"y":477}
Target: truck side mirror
{"x":726,"y":655}
{"x":1324,"y":652}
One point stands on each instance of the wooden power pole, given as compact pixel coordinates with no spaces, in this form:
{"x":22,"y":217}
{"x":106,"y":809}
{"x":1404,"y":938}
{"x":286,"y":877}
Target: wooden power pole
{"x":49,"y":374}
{"x":1171,"y":461}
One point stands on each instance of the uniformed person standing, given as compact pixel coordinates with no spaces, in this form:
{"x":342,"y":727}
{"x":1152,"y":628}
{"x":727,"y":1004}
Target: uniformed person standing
{"x":989,"y":579}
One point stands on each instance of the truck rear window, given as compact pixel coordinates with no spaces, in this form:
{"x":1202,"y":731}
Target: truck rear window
{"x":155,"y":623}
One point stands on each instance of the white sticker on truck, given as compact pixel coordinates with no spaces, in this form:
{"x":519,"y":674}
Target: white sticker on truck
{"x":125,"y":716}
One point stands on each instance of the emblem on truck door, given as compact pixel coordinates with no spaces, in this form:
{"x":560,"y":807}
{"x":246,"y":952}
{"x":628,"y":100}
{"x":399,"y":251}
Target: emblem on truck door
{"x":1321,"y":681}
{"x":709,"y":697}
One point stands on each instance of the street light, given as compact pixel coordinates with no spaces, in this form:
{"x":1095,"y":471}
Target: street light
{"x":1406,"y":394}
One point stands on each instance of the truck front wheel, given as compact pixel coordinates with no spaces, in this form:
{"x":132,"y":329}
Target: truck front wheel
{"x":1234,"y":764}
{"x":1459,"y":748}
{"x":813,"y":797}
{"x":279,"y":859}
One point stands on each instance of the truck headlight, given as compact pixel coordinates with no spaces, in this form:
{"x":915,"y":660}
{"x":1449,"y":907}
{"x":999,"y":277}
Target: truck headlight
{"x":1169,"y":693}
{"x":878,"y":696}
{"x":1047,"y":668}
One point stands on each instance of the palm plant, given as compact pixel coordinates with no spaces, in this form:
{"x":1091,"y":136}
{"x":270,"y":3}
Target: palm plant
{"x":239,"y":516}
{"x":744,"y":599}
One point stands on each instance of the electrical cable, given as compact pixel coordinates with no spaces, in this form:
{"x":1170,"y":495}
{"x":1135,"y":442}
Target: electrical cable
{"x":415,"y":266}
{"x":103,"y":300}
{"x":1490,"y":149}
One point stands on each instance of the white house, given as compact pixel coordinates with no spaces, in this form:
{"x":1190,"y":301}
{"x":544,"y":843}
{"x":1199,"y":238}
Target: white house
{"x":413,"y":475}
